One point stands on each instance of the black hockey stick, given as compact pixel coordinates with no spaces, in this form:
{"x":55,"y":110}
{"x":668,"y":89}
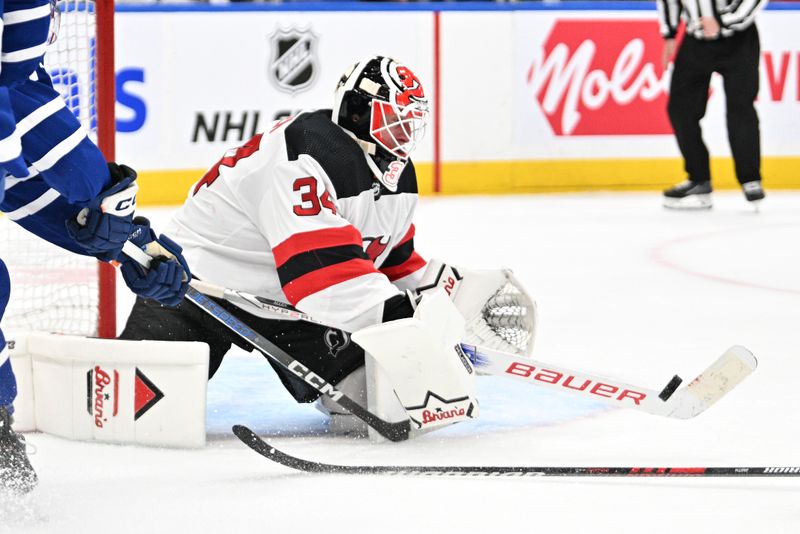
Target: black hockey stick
{"x":392,"y":431}
{"x":268,"y":451}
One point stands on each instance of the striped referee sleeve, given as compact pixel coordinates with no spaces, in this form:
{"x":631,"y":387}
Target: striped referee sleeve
{"x":739,"y":14}
{"x":669,"y":17}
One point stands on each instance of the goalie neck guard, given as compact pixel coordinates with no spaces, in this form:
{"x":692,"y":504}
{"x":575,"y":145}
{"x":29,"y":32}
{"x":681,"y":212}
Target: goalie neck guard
{"x":383,"y":105}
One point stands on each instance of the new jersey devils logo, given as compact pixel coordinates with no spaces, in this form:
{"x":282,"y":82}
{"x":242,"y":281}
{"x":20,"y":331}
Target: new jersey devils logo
{"x":376,"y":246}
{"x":336,"y":341}
{"x":409,"y":88}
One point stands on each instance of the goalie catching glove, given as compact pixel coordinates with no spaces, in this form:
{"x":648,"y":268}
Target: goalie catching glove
{"x":423,"y":360}
{"x":498,"y":312}
{"x":167,"y":278}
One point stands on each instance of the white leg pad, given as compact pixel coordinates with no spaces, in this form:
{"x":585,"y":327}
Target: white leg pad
{"x":140,"y":392}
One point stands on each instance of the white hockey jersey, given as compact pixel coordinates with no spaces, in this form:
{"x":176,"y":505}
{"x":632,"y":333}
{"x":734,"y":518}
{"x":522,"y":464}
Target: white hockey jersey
{"x":295,"y":215}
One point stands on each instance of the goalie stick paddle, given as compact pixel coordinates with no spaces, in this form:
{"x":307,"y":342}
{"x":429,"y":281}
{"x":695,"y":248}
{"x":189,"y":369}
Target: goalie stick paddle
{"x":249,"y":438}
{"x":398,"y":431}
{"x":716,"y":381}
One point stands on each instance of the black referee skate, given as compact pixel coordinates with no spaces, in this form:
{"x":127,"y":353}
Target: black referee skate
{"x":688,"y":195}
{"x":753,"y":191}
{"x":16,"y":473}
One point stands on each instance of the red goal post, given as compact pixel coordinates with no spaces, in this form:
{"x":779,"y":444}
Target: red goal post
{"x":51,"y":289}
{"x":106,"y":130}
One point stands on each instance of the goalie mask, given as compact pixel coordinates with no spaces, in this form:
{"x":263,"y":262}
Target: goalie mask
{"x":382,"y":103}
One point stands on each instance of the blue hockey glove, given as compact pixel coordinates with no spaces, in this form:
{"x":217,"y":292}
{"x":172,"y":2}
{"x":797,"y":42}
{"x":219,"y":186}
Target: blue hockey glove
{"x":167,"y":278}
{"x":105,"y":224}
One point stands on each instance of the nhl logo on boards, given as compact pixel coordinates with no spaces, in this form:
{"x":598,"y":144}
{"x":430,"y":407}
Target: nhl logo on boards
{"x":292,"y":66}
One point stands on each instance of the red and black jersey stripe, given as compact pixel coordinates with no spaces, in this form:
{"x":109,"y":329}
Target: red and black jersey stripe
{"x":309,"y":262}
{"x":403,"y":259}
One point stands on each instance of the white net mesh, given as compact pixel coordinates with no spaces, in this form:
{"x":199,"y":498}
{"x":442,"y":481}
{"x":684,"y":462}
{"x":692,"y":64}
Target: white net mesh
{"x":51,"y":289}
{"x":70,"y":60}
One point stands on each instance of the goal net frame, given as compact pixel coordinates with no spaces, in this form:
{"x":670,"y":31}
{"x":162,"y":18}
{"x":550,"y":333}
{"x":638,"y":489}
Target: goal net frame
{"x":106,"y":140}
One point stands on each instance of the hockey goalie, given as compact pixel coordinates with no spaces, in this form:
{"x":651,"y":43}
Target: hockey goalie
{"x":317,"y":211}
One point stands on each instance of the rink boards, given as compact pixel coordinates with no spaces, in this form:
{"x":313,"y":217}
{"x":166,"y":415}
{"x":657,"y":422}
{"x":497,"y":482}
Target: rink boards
{"x":525,"y":98}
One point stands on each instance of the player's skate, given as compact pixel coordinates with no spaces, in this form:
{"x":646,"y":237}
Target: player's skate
{"x":753,"y":192}
{"x":16,"y":473}
{"x":688,"y":195}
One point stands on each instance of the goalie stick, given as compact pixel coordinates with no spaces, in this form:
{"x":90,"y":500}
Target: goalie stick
{"x":392,"y":431}
{"x":249,"y":438}
{"x":707,"y":388}
{"x":716,"y":381}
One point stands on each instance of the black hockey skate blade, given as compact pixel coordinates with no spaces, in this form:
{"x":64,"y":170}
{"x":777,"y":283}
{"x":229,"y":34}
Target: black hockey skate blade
{"x":670,"y":388}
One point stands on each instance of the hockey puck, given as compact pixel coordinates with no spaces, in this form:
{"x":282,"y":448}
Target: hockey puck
{"x":670,"y":388}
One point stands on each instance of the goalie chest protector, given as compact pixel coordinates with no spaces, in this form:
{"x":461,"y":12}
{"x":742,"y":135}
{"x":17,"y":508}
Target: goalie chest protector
{"x":296,"y":215}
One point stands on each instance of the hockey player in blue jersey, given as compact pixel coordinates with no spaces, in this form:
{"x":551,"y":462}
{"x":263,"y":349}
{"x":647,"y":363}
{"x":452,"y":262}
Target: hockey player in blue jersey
{"x":55,"y":183}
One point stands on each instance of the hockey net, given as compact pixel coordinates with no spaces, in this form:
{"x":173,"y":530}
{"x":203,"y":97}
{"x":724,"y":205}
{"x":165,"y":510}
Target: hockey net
{"x":54,"y":290}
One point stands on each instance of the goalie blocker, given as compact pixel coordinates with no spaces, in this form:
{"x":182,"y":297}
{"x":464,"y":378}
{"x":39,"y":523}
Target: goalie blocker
{"x":496,"y":312}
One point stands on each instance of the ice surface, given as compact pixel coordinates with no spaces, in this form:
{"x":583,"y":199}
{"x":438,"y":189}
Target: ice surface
{"x":624,"y":287}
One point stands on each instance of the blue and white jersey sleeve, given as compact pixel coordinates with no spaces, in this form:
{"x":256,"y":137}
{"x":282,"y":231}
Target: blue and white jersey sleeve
{"x":25,"y":32}
{"x":64,"y":169}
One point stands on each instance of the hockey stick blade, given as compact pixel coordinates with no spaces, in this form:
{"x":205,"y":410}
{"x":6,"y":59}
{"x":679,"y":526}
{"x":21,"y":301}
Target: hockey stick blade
{"x":249,"y":438}
{"x":714,"y":383}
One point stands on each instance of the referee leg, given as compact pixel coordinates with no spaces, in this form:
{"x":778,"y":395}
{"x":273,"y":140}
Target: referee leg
{"x":687,"y":105}
{"x":740,"y":75}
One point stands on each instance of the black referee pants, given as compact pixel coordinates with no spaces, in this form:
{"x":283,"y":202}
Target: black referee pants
{"x":736,"y":58}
